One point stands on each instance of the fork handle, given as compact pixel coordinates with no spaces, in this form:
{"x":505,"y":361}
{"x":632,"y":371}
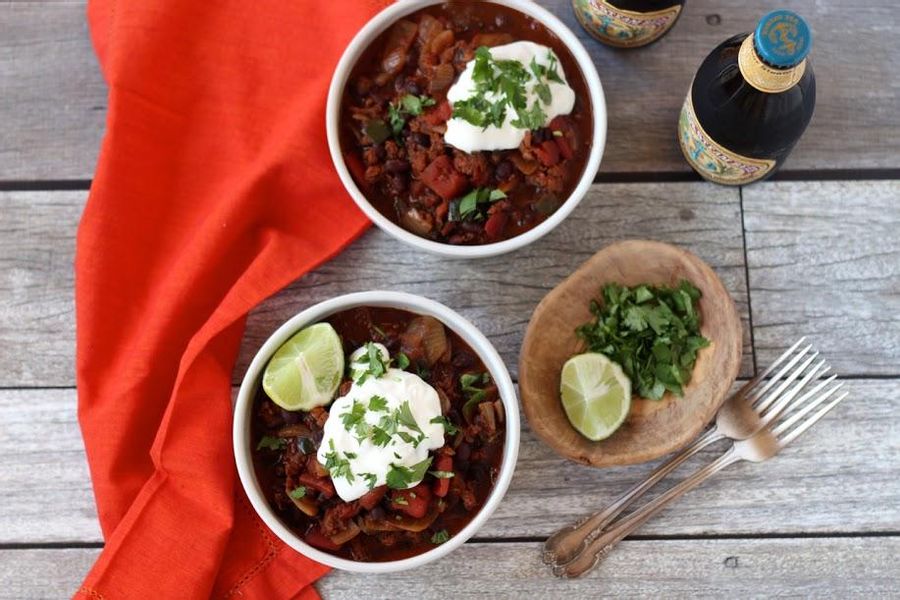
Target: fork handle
{"x":600,"y":547}
{"x":568,"y":542}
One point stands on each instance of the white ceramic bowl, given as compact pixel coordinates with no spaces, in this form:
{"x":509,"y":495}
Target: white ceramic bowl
{"x":414,"y":304}
{"x":379,"y":24}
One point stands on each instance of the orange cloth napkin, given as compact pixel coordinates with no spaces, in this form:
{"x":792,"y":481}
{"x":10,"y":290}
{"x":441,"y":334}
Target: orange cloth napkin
{"x":214,"y":189}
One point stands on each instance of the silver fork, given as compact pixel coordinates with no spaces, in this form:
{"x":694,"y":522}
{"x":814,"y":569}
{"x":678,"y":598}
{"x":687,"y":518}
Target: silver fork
{"x":758,"y":448}
{"x":748,"y":411}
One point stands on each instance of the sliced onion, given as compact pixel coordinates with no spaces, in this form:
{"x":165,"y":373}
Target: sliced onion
{"x":371,"y":526}
{"x":524,"y":165}
{"x":400,"y":38}
{"x":295,"y":430}
{"x":346,"y":535}
{"x":486,"y":410}
{"x":430,"y":333}
{"x":307,"y":506}
{"x":501,"y":412}
{"x":442,"y":41}
{"x":443,"y":78}
{"x":417,"y":525}
{"x":445,"y":401}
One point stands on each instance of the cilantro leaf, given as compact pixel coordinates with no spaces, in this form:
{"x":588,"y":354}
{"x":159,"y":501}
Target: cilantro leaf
{"x":378,"y":403}
{"x":298,"y":492}
{"x":400,"y":477}
{"x":449,"y":428}
{"x":402,"y":361}
{"x":440,"y":537}
{"x":370,"y":478}
{"x":270,"y":442}
{"x":652,"y":332}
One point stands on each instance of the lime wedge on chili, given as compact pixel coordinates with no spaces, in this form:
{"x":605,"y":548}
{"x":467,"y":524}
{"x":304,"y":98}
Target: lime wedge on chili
{"x":306,"y":370}
{"x":596,"y":395}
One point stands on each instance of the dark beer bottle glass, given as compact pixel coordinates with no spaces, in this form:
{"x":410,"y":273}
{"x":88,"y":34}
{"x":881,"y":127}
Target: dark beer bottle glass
{"x":627,"y":23}
{"x":750,"y":102}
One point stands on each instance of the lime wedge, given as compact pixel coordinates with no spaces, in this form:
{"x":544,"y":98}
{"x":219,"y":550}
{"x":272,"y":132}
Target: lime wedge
{"x":306,"y":370}
{"x":596,"y":395}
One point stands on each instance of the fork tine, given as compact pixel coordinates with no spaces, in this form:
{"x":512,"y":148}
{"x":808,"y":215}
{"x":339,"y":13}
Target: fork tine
{"x":772,"y":412}
{"x":784,"y":385}
{"x":777,"y":377}
{"x":796,"y":416}
{"x":748,"y":387}
{"x":811,"y":421}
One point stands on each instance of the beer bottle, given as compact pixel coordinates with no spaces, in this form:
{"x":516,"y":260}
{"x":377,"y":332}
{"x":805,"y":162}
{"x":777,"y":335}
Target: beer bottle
{"x":627,"y":23}
{"x":750,"y":102}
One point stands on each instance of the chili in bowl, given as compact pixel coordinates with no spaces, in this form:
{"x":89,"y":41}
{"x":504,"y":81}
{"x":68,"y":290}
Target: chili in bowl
{"x":466,"y":128}
{"x":400,"y":443}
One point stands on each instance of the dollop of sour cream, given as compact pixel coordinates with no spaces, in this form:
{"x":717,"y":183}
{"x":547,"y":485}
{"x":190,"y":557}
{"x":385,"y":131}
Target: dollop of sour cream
{"x":470,"y":138}
{"x":366,"y":459}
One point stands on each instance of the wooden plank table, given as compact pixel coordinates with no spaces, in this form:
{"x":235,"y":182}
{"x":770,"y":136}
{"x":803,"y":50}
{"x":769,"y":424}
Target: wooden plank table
{"x":815,"y":252}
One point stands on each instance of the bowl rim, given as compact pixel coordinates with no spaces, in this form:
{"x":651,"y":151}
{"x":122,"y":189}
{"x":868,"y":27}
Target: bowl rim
{"x":332,"y":119}
{"x":413,"y":303}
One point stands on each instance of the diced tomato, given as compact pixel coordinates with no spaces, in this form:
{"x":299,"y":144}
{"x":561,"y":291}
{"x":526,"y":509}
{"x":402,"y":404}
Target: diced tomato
{"x":443,"y":178}
{"x":493,"y":227}
{"x":371,"y":499}
{"x":413,"y":501}
{"x":439,"y":114}
{"x":316,"y":538}
{"x":356,"y":168}
{"x":444,"y":462}
{"x":548,"y":153}
{"x":566,"y":141}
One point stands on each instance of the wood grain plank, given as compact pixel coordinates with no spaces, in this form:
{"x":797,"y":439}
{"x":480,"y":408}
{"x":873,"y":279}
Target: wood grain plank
{"x":839,"y":478}
{"x":499,"y":294}
{"x":824,"y":261}
{"x":54,"y":102}
{"x":820,"y":568}
{"x":37,"y":320}
{"x":36,"y":270}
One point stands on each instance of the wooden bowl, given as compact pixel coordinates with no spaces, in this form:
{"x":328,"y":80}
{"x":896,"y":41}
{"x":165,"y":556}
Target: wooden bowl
{"x":654,"y":427}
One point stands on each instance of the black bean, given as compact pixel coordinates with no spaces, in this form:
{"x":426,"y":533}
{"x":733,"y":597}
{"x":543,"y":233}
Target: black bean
{"x":538,"y":136}
{"x":396,"y":165}
{"x":398,"y":183}
{"x":504,"y":171}
{"x":420,"y":139}
{"x":380,"y":152}
{"x":413,"y":88}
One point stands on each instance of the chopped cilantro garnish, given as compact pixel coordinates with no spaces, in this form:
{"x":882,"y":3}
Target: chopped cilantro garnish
{"x":440,"y":537}
{"x":652,"y":332}
{"x":337,"y":465}
{"x":402,"y":361}
{"x":373,"y":361}
{"x":378,"y":403}
{"x":409,"y":105}
{"x":271,"y":443}
{"x":298,"y":492}
{"x":472,"y":205}
{"x":505,"y":81}
{"x":449,"y":428}
{"x":370,"y":478}
{"x":400,"y":477}
{"x":354,"y":416}
{"x":406,"y":418}
{"x":474,"y":395}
